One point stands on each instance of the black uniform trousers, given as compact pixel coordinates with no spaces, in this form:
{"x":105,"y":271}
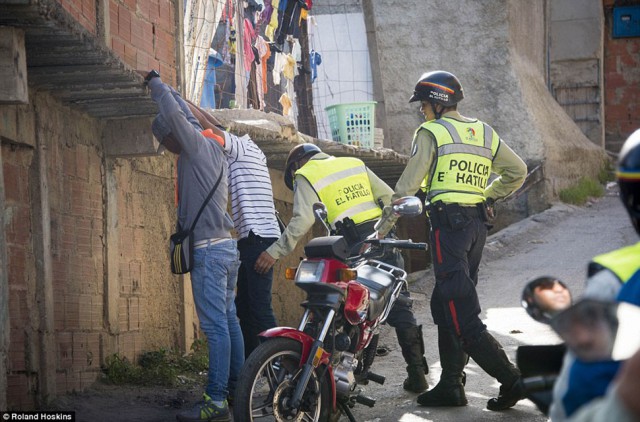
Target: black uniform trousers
{"x":457,"y":236}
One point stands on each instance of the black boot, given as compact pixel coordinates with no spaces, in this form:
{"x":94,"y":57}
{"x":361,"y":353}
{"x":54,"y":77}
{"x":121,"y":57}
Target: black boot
{"x":490,"y":356}
{"x":412,"y":345}
{"x":450,"y":389}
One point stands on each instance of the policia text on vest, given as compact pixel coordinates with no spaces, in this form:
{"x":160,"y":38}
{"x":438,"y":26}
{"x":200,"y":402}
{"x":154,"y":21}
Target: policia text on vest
{"x":348,"y":193}
{"x":467,"y":172}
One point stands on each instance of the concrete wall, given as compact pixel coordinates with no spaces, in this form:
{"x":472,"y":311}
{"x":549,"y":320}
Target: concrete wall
{"x":497,"y":49}
{"x":575,"y":68}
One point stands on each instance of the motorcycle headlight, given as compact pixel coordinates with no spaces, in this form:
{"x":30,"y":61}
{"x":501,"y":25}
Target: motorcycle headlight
{"x":310,"y":271}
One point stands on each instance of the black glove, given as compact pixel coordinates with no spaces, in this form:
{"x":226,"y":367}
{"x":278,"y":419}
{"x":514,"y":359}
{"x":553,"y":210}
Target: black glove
{"x":152,"y":74}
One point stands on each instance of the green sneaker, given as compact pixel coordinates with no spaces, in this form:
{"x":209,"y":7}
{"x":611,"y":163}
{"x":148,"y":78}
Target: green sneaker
{"x":205,"y":411}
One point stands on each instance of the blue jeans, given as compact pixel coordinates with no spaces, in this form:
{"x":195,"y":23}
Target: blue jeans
{"x":213,"y":280}
{"x":254,"y":292}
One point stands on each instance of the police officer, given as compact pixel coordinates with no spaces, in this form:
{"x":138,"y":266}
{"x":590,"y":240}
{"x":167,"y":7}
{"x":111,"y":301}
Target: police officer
{"x":452,"y":157}
{"x":613,"y":275}
{"x":351,"y":192}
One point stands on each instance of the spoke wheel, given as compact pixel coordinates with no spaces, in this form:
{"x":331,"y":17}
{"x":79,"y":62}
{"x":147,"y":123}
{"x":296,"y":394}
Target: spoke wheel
{"x":267,"y":382}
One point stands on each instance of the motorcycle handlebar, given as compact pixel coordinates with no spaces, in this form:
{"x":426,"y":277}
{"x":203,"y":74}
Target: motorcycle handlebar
{"x":539,"y":383}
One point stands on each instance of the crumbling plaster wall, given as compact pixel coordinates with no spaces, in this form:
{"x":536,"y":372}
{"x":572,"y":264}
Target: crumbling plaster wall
{"x":497,"y":50}
{"x":55,"y":171}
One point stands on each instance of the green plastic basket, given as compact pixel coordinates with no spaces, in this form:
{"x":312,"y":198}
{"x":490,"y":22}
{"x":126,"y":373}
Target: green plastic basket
{"x":352,"y":123}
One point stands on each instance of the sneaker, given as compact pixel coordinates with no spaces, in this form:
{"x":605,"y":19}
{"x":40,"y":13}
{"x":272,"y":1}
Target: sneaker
{"x":205,"y":411}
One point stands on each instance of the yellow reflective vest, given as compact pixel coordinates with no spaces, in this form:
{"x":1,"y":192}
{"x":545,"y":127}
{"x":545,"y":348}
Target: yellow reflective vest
{"x":623,"y":262}
{"x":342,"y":184}
{"x":464,"y":156}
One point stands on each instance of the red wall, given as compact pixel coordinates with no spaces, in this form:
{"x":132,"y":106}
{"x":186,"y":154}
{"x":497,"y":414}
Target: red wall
{"x":142,"y":32}
{"x":621,"y":83}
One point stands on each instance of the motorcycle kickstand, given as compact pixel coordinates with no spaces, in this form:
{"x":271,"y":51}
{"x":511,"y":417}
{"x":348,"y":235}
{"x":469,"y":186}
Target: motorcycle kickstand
{"x":347,"y":412}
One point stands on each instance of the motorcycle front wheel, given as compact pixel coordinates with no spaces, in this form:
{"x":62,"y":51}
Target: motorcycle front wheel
{"x":267,"y":381}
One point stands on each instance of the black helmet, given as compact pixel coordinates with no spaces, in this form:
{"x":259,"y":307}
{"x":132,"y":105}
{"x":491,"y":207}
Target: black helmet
{"x":298,"y":153}
{"x":628,"y":175}
{"x":438,"y":87}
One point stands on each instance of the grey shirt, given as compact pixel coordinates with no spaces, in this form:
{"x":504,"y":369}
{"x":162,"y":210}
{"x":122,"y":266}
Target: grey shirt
{"x":199,"y":165}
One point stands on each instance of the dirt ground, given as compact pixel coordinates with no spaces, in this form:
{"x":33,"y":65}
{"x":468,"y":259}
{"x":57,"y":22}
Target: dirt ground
{"x":104,"y":402}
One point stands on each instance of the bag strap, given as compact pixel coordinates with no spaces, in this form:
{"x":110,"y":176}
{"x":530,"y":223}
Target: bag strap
{"x":193,"y":225}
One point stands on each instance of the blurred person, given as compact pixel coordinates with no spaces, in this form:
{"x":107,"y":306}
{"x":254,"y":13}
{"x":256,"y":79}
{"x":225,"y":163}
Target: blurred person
{"x":588,"y":329}
{"x":621,"y":402}
{"x":612,"y":276}
{"x":452,"y":157}
{"x":201,"y":159}
{"x":352,"y":194}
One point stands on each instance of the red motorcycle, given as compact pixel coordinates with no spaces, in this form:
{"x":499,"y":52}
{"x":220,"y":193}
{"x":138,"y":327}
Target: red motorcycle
{"x":312,"y":373}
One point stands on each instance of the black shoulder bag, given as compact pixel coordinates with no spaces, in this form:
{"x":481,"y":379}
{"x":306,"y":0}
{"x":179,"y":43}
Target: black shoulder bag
{"x":181,"y":243}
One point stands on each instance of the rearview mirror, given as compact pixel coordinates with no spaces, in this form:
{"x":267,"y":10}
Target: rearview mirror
{"x":407,"y":206}
{"x":545,"y":297}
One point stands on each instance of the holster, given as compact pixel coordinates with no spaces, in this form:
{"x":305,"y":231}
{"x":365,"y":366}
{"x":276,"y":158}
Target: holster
{"x":347,"y":229}
{"x":454,"y":216}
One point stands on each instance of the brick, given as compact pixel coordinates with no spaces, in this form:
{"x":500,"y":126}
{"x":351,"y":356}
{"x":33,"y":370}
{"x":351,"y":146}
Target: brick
{"x":124,"y":23}
{"x":154,"y":11}
{"x":69,"y":162}
{"x":73,"y":381}
{"x":82,"y":162}
{"x":18,"y":392}
{"x":61,"y":382}
{"x":134,"y":314}
{"x":130,"y":54}
{"x":84,"y":312}
{"x":14,"y":177}
{"x":72,"y":312}
{"x":64,"y":350}
{"x":113,"y":20}
{"x":16,"y":269}
{"x":143,"y":9}
{"x":58,"y":310}
{"x":123,"y":314}
{"x":97,"y":315}
{"x":18,"y":228}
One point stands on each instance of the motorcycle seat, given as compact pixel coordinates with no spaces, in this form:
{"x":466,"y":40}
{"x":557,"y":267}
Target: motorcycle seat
{"x":380,"y":285}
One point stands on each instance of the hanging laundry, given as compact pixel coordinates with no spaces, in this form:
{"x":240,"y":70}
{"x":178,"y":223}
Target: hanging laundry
{"x":296,"y":50}
{"x":248,"y":38}
{"x":289,"y":69}
{"x":285,"y":101}
{"x":252,"y":10}
{"x":278,"y":66}
{"x":232,"y":41}
{"x":315,"y":60}
{"x":270,"y":30}
{"x":208,"y":98}
{"x":262,"y":48}
{"x":289,"y":19}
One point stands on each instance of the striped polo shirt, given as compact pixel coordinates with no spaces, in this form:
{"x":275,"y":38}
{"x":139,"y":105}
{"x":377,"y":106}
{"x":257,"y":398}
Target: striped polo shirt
{"x":252,"y":205}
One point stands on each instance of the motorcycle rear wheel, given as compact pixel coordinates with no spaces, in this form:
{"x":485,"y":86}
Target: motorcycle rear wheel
{"x":268,"y":378}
